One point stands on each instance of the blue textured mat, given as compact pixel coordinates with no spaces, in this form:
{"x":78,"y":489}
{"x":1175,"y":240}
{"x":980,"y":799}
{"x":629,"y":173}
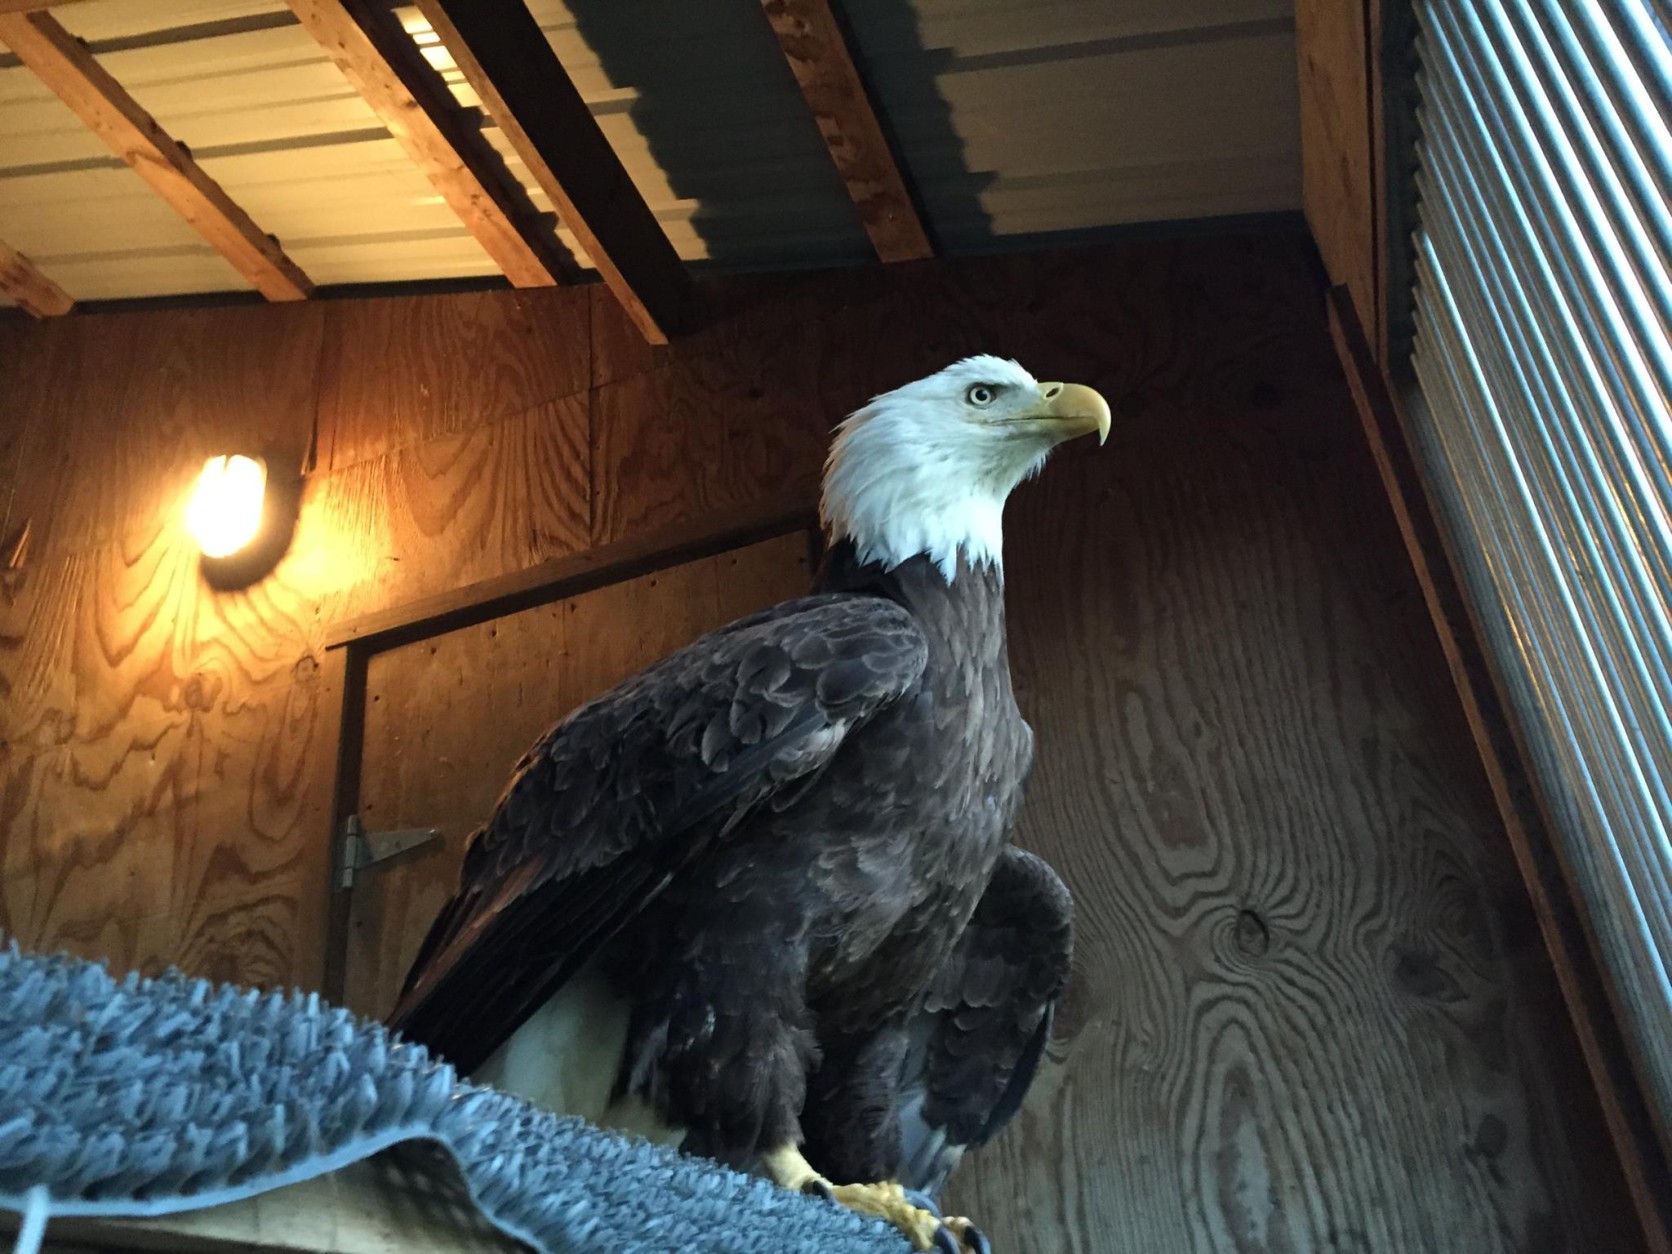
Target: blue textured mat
{"x":142,"y":1097}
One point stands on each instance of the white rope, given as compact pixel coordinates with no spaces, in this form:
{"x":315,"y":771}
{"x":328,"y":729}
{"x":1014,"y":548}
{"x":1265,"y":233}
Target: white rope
{"x":37,"y":1205}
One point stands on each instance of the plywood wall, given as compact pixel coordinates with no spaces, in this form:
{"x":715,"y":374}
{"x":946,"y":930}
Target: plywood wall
{"x":1309,"y":1009}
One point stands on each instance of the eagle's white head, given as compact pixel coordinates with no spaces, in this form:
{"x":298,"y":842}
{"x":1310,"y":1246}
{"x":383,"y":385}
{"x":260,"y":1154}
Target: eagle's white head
{"x":926,"y":468}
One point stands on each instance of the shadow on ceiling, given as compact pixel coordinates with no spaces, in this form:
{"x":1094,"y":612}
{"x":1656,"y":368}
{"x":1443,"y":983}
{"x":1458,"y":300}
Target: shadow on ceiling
{"x":726,"y":123}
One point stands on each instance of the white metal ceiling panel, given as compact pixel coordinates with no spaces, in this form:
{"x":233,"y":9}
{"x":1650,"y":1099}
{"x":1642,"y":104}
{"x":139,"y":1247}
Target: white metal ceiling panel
{"x":1015,"y":119}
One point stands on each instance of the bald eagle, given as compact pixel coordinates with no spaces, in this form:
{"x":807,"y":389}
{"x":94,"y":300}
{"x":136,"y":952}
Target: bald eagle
{"x":758,"y":899}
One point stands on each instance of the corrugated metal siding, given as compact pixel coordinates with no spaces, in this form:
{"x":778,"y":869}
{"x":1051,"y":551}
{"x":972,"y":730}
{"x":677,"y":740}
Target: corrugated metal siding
{"x":1015,"y":117}
{"x":1544,"y":353}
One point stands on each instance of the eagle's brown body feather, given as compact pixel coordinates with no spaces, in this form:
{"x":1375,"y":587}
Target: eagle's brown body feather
{"x":768,"y":844}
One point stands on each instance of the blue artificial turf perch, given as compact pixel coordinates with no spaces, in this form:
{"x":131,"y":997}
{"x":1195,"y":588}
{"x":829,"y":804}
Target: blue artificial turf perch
{"x":140,"y":1097}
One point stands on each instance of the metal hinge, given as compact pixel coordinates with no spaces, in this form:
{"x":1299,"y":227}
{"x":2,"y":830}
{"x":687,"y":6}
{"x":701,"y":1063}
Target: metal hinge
{"x":358,"y":849}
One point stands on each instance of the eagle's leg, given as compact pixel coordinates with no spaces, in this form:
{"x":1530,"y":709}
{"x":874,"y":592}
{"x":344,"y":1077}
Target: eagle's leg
{"x":849,"y":1122}
{"x":852,"y":1130}
{"x":886,"y":1201}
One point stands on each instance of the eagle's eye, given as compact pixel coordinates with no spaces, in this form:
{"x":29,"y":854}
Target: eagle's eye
{"x":981,"y":395}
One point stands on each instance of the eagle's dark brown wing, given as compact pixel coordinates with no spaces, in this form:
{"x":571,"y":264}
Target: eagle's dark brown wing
{"x":622,"y":793}
{"x":978,"y":1039}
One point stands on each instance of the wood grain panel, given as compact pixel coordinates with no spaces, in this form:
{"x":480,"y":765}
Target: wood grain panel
{"x":700,"y":435}
{"x":138,"y":402}
{"x":428,"y":517}
{"x":109,"y":638}
{"x":1296,"y":913}
{"x":1310,"y":1009}
{"x":138,"y":659}
{"x":171,"y":824}
{"x":448,"y":718}
{"x":245,"y":908}
{"x":399,"y":370}
{"x":420,"y":763}
{"x":38,"y":606}
{"x":90,"y":833}
{"x":25,"y":364}
{"x":599,"y":566}
{"x":762,"y":574}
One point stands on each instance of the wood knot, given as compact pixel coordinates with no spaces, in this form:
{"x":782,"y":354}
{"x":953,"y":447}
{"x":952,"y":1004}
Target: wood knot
{"x":1421,"y":975}
{"x":1491,"y":1137}
{"x":1253,"y":937}
{"x":201,"y":692}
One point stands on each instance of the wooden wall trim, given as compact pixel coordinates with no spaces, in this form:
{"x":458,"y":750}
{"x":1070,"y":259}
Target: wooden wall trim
{"x":818,"y":55}
{"x":381,"y":63}
{"x":1573,"y":952}
{"x":578,"y":572}
{"x":36,"y":294}
{"x":1339,"y":177}
{"x":504,"y":54}
{"x":60,"y":61}
{"x":345,"y":740}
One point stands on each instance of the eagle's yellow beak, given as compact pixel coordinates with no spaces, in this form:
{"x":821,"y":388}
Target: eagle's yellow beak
{"x":1073,"y":409}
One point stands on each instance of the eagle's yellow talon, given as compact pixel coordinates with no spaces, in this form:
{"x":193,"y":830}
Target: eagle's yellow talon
{"x":887,"y":1201}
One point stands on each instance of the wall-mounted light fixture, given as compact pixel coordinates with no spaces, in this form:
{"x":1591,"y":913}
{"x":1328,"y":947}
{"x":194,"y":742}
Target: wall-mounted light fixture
{"x":226,"y":507}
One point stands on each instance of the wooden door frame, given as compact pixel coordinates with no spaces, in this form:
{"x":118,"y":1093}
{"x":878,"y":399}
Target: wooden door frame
{"x":351,"y":644}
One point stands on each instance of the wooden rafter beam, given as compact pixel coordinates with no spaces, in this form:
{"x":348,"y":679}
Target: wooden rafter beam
{"x":31,"y":289}
{"x":383,"y":64}
{"x":30,"y":6}
{"x":503,"y":53}
{"x":60,"y":61}
{"x":818,"y":53}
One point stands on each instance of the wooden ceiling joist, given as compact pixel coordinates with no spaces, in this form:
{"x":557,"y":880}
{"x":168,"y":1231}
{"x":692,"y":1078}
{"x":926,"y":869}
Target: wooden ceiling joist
{"x":385,"y":67}
{"x":503,"y":53}
{"x":818,"y":53}
{"x":60,"y":61}
{"x":31,"y":289}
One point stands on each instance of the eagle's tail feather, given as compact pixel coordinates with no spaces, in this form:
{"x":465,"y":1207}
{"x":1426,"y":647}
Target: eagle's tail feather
{"x":927,"y":1156}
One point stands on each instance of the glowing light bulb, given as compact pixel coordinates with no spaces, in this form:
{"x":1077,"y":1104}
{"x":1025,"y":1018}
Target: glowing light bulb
{"x":225,"y":510}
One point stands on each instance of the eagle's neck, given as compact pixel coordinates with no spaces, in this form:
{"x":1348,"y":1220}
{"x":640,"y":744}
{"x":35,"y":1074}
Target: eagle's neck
{"x":962,"y":616}
{"x":898,"y":493}
{"x":979,"y":749}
